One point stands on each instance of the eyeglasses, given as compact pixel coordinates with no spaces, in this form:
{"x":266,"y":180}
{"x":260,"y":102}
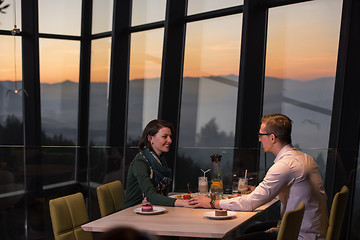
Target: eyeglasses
{"x":265,"y":134}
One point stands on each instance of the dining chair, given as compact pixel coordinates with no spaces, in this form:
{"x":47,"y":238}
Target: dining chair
{"x":67,"y":214}
{"x":291,"y":223}
{"x":337,"y":213}
{"x":110,"y":197}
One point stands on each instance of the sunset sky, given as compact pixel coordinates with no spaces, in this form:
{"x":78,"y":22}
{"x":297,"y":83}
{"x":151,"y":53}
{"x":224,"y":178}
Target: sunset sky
{"x":302,"y":41}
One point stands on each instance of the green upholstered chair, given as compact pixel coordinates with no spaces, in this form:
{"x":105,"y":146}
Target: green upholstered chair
{"x":67,"y":215}
{"x":337,"y":212}
{"x":291,"y":223}
{"x":111,"y":197}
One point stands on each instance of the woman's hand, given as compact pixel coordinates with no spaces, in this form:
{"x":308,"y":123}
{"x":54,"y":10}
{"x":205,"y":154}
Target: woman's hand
{"x":200,"y":201}
{"x":182,"y":203}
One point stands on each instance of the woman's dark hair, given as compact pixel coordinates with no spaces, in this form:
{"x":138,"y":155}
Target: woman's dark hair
{"x":150,"y":130}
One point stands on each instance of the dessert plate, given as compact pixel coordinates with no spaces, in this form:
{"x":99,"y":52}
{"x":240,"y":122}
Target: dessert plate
{"x":211,"y":215}
{"x":156,"y":210}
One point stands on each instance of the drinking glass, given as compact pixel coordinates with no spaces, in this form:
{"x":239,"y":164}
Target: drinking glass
{"x":235,"y":184}
{"x":217,"y":187}
{"x":203,"y":185}
{"x":242,"y":185}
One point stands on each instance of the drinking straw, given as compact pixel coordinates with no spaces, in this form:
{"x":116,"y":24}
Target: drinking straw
{"x":245,"y":174}
{"x":205,"y":171}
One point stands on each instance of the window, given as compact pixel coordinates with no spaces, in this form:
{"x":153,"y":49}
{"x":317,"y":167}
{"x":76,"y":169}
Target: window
{"x":145,"y":70}
{"x":11,"y":119}
{"x":199,"y":6}
{"x":102,"y":16}
{"x":147,"y":11}
{"x":209,"y":95}
{"x":60,"y":17}
{"x":212,"y":57}
{"x":301,"y":58}
{"x":8,"y":17}
{"x":100,"y":67}
{"x":59,"y":79}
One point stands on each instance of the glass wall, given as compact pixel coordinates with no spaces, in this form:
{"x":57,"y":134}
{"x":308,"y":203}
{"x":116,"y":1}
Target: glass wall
{"x":12,"y":178}
{"x":105,"y":162}
{"x":9,"y":16}
{"x":147,"y":11}
{"x":102,"y":16}
{"x":60,"y":17}
{"x":145,"y":71}
{"x":199,"y":6}
{"x":301,"y":58}
{"x":209,"y":95}
{"x":11,"y":120}
{"x":59,"y":79}
{"x":99,"y":92}
{"x":12,"y":191}
{"x":59,"y":85}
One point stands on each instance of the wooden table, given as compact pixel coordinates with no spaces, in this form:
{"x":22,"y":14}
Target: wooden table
{"x":175,"y":221}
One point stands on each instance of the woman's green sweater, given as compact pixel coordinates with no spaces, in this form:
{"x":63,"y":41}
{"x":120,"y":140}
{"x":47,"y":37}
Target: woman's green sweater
{"x":140,"y":185}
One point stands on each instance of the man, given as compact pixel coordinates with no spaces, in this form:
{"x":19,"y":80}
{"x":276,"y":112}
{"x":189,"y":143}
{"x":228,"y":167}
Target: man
{"x":294,"y":178}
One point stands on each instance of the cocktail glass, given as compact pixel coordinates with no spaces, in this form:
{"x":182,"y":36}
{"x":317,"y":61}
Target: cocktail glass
{"x":243,"y":185}
{"x":203,"y":185}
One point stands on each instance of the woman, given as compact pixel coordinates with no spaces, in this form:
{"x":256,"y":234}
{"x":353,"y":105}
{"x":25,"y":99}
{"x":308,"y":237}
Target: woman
{"x":149,"y":176}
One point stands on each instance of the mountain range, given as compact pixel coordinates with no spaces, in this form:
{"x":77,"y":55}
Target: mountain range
{"x":308,"y":103}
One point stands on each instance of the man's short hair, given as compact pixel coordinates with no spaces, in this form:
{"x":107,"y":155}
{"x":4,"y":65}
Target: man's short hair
{"x":280,"y":125}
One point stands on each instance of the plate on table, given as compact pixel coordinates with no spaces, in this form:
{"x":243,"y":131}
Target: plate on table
{"x":156,"y":210}
{"x":211,"y":215}
{"x":184,"y":196}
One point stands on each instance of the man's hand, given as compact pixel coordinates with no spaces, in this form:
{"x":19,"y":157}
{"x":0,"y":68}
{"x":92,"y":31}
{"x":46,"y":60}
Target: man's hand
{"x":250,"y":188}
{"x":200,"y":202}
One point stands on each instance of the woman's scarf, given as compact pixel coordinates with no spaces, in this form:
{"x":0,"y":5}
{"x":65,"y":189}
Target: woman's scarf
{"x":162,"y":174}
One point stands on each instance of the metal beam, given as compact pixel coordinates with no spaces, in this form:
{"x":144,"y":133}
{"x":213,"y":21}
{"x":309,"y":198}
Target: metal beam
{"x":84,"y":93}
{"x":31,"y":75}
{"x":172,"y":69}
{"x":251,"y":85}
{"x":119,"y":74}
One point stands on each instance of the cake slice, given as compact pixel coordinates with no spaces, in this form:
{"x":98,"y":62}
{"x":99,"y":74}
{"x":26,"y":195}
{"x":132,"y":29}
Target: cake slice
{"x":147,"y":207}
{"x":220,"y":212}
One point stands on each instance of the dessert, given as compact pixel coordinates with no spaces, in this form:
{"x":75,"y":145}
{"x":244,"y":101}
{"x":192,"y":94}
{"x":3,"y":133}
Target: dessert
{"x":147,"y":208}
{"x":220,"y":212}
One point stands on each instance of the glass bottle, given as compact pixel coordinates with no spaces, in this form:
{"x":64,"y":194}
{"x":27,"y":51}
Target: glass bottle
{"x":216,"y":186}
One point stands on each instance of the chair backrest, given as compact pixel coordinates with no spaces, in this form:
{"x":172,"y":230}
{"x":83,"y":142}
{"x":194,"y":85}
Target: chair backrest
{"x":291,"y":223}
{"x":337,"y":212}
{"x":67,"y":215}
{"x":111,"y":197}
